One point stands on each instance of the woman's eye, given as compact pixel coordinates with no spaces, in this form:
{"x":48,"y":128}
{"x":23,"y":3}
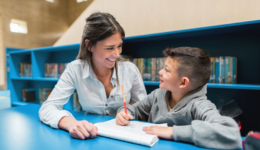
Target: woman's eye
{"x":165,"y":69}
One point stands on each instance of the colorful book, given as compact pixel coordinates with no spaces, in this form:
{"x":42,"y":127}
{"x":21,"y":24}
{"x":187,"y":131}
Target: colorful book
{"x":217,"y":70}
{"x":234,"y":70}
{"x":148,"y":69}
{"x":212,"y":76}
{"x":153,"y":67}
{"x":227,"y":68}
{"x":222,"y":69}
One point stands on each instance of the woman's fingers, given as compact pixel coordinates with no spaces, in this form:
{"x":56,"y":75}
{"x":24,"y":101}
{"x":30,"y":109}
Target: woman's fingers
{"x":91,"y":129}
{"x":77,"y":134}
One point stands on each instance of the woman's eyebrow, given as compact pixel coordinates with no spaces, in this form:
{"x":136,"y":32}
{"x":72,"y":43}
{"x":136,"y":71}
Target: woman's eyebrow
{"x":113,"y":45}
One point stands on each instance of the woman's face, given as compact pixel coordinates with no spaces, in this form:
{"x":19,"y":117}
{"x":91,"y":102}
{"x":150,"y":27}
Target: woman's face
{"x":106,"y":51}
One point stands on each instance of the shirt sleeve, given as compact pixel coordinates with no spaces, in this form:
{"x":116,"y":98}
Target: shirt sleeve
{"x":209,"y":129}
{"x":141,"y":109}
{"x":138,"y":91}
{"x":51,"y":111}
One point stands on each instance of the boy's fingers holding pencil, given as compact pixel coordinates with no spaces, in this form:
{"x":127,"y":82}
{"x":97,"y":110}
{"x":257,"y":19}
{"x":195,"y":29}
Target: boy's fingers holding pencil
{"x":130,"y":116}
{"x":123,"y":118}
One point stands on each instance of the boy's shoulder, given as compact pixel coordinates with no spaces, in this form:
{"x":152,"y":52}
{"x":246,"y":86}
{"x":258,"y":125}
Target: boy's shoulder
{"x":158,"y":93}
{"x":202,"y":106}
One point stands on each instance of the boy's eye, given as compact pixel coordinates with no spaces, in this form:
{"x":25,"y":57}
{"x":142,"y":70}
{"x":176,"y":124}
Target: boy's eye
{"x":110,"y":48}
{"x":166,"y":69}
{"x":120,"y":45}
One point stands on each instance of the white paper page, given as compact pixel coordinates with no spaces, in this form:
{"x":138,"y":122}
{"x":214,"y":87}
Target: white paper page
{"x":133,"y":132}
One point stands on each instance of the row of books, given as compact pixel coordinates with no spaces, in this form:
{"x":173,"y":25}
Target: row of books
{"x":224,"y":69}
{"x":54,"y":70}
{"x":150,"y":67}
{"x":44,"y":94}
{"x":25,"y":69}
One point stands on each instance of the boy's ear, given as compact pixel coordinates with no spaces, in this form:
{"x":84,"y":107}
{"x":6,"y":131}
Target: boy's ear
{"x":185,"y":81}
{"x":87,"y":43}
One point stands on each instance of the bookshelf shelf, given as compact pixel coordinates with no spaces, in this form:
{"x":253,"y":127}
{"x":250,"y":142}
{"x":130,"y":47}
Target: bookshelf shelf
{"x":237,"y":39}
{"x":35,"y":79}
{"x":218,"y":85}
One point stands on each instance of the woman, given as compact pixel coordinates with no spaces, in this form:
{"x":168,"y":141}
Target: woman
{"x":97,"y":74}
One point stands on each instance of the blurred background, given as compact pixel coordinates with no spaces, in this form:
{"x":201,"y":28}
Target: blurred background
{"x":40,"y":23}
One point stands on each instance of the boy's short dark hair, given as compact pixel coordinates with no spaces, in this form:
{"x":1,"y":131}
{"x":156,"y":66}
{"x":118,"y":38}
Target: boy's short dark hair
{"x":192,"y":62}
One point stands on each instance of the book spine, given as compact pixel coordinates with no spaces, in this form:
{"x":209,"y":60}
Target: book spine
{"x":211,"y":75}
{"x":148,"y":71}
{"x":40,"y":99}
{"x":157,"y":69}
{"x":222,"y":69}
{"x":234,"y":70}
{"x":24,"y":95}
{"x":230,"y":74}
{"x":214,"y":70}
{"x":217,"y":70}
{"x":21,"y":69}
{"x":153,"y":67}
{"x":226,"y":72}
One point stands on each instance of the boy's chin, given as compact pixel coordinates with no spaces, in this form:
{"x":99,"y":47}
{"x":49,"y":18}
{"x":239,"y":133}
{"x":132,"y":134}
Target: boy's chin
{"x":162,"y":87}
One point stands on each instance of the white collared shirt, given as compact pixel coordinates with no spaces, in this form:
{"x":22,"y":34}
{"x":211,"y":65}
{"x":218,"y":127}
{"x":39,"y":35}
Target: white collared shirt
{"x":91,"y":92}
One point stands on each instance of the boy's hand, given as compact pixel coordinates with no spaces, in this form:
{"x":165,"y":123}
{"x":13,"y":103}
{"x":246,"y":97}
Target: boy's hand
{"x":123,"y":119}
{"x":163,"y":132}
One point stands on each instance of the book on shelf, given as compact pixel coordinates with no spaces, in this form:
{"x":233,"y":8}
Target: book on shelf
{"x":44,"y":94}
{"x":147,"y":74}
{"x":149,"y":67}
{"x":234,"y":70}
{"x":212,"y":76}
{"x":227,"y":69}
{"x":54,"y":70}
{"x":25,"y":69}
{"x":127,"y":57}
{"x":76,"y":103}
{"x":132,"y":132}
{"x":224,"y":69}
{"x":28,"y":94}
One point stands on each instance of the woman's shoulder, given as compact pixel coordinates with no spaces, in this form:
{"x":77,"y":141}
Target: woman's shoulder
{"x":77,"y":63}
{"x":127,"y":65}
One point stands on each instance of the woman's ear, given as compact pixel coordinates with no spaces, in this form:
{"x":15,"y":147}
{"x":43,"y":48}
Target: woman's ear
{"x":87,"y":43}
{"x":185,"y":81}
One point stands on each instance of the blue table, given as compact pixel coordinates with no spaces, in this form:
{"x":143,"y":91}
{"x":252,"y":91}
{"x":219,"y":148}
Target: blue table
{"x":21,"y":129}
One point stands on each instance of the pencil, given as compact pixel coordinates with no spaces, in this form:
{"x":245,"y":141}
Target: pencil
{"x":124,"y":98}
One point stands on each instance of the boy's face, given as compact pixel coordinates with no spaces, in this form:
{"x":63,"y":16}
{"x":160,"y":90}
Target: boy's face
{"x":169,"y":79}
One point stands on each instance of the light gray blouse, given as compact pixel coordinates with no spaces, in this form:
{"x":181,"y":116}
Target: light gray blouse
{"x":91,"y":92}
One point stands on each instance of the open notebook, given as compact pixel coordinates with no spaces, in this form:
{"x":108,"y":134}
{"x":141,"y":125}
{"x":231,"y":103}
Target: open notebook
{"x":131,"y":133}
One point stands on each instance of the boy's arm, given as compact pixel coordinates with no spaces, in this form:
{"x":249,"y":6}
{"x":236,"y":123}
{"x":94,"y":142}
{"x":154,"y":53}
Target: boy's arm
{"x":209,"y":129}
{"x":141,"y":109}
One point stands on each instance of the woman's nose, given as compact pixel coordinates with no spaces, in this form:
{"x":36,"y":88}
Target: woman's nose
{"x":117,"y":52}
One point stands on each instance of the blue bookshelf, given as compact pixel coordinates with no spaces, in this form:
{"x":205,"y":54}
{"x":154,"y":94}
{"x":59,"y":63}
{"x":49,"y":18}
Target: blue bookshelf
{"x":237,"y":39}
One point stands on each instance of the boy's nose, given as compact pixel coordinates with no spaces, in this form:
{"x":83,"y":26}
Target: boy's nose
{"x":160,"y":72}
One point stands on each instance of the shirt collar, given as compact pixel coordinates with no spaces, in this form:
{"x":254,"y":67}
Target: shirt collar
{"x":88,"y":71}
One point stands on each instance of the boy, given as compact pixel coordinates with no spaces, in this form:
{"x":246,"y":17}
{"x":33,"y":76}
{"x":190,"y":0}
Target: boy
{"x":182,"y":103}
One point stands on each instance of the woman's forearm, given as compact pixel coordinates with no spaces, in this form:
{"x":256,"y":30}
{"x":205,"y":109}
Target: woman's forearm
{"x":65,"y":122}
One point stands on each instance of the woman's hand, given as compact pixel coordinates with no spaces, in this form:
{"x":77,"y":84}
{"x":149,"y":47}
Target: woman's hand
{"x":78,"y":129}
{"x":163,"y":132}
{"x":123,"y":119}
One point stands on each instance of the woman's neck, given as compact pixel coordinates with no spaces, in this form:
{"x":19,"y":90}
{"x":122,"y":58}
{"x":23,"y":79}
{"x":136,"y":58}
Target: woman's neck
{"x":101,"y":71}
